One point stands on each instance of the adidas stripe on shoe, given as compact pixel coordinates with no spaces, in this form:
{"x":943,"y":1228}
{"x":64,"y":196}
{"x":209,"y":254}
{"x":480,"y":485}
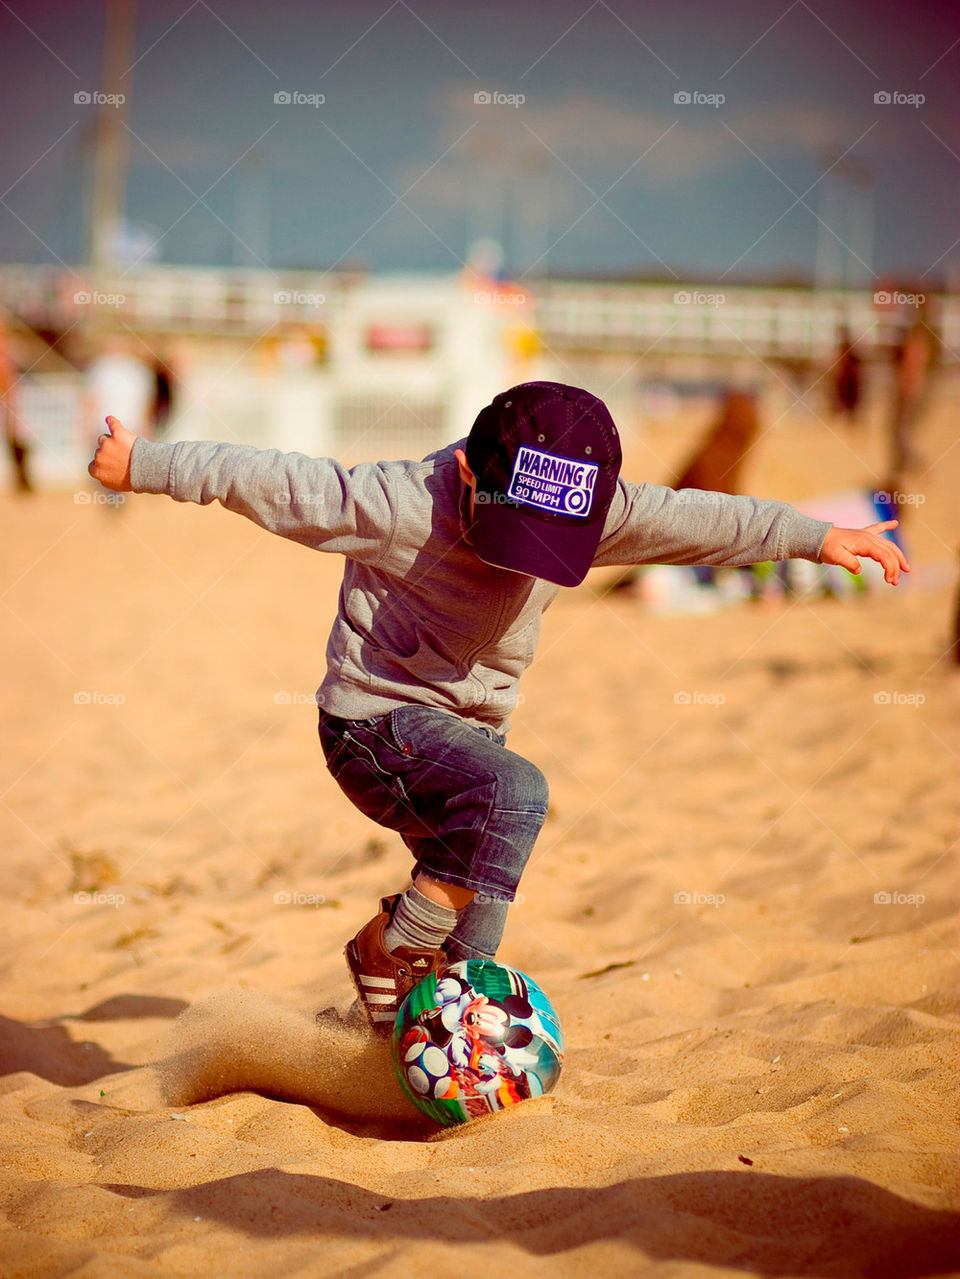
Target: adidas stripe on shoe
{"x":382,"y":978}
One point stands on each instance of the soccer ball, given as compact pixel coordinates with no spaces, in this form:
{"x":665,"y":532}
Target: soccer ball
{"x":473,"y":1038}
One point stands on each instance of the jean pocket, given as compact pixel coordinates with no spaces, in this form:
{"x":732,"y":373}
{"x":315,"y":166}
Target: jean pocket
{"x":378,"y":793}
{"x":423,"y":732}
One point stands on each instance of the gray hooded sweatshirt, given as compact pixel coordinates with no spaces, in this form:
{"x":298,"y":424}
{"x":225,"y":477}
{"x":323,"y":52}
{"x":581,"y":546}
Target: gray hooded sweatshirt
{"x":421,"y":617}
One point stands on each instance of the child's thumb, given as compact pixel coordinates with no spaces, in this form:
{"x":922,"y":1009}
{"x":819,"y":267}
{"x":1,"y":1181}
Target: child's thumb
{"x":115,"y":426}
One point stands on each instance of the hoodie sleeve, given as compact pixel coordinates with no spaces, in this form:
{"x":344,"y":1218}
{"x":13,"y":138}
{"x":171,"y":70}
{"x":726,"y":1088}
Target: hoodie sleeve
{"x":652,"y":524}
{"x":314,"y":501}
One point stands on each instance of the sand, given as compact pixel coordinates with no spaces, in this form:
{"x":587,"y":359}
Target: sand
{"x":761,"y":1063}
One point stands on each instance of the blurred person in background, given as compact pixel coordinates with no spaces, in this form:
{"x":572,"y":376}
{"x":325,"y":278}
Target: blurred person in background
{"x":14,"y":432}
{"x":914,"y":360}
{"x":716,"y":466}
{"x":163,"y":393}
{"x":118,"y":376}
{"x":847,"y":378}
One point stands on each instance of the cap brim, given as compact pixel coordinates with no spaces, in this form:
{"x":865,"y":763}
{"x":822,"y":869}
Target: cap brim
{"x":507,"y":537}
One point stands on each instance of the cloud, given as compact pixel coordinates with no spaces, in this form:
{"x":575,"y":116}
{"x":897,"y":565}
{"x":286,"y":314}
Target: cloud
{"x":578,"y":145}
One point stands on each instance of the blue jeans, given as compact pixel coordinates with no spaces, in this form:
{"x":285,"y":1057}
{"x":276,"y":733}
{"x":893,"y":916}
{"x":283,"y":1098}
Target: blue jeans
{"x":467,"y":808}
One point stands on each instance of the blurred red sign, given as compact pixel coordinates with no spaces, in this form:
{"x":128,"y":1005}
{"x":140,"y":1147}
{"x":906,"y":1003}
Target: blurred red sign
{"x":399,"y":337}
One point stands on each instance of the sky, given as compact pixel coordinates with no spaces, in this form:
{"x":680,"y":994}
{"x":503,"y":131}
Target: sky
{"x":683,"y":139}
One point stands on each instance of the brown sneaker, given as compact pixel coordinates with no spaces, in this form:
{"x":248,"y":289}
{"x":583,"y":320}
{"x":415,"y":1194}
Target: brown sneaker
{"x":384,"y":979}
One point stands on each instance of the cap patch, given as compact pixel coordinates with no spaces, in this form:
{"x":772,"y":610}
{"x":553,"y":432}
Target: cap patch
{"x":552,"y":483}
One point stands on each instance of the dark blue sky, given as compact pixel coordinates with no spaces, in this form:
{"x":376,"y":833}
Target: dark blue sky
{"x":599,"y":171}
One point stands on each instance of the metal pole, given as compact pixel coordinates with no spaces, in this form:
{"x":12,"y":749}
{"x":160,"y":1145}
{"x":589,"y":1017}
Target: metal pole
{"x":112,"y":140}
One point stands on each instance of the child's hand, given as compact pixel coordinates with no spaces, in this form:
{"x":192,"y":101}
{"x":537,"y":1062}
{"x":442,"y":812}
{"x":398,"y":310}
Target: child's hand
{"x":111,"y":462}
{"x":843,"y":545}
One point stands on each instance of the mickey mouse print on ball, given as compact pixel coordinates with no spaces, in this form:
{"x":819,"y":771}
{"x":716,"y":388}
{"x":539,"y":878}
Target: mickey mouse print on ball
{"x":475,"y":1037}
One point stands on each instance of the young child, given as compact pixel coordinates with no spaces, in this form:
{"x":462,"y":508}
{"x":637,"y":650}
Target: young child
{"x":449,"y":565}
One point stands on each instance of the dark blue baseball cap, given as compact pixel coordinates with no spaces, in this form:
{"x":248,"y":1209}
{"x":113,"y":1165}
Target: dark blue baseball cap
{"x":546,"y":458}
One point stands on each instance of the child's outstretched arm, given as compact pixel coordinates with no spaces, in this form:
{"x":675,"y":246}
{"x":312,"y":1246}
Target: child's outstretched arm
{"x":652,"y":524}
{"x":314,"y":501}
{"x":843,"y":545}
